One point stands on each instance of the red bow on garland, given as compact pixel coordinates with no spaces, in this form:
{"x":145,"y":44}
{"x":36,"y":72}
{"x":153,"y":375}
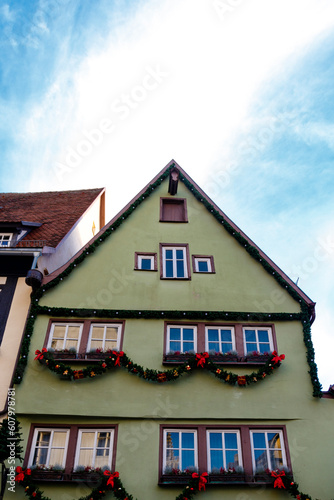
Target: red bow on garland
{"x":111,"y":477}
{"x":278,"y":481}
{"x":21,"y":473}
{"x":40,"y":354}
{"x":276,"y":359}
{"x":201,"y":358}
{"x":202,"y":480}
{"x":118,"y":356}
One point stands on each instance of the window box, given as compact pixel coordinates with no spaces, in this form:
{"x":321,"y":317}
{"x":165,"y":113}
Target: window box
{"x":257,"y":358}
{"x":264,"y":478}
{"x":175,"y":479}
{"x":92,"y":478}
{"x":224,"y":358}
{"x":97,"y":355}
{"x":227,"y":478}
{"x":63,"y":355}
{"x":46,"y":475}
{"x":176,"y":359}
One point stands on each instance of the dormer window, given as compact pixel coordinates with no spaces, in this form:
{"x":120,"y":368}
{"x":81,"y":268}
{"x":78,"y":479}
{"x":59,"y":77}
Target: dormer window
{"x":5,"y":239}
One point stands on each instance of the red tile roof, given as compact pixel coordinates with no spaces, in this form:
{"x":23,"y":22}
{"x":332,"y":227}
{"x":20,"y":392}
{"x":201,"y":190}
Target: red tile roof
{"x":58,"y":211}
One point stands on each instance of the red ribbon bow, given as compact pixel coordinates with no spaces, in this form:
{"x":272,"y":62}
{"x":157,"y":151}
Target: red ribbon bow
{"x":201,"y":358}
{"x":21,"y":473}
{"x":278,"y":481}
{"x":111,"y":477}
{"x":276,"y":359}
{"x":40,"y":354}
{"x":118,"y":356}
{"x":202,"y":479}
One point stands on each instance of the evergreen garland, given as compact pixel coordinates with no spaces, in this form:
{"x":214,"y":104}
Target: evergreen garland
{"x":195,"y":361}
{"x":112,"y":483}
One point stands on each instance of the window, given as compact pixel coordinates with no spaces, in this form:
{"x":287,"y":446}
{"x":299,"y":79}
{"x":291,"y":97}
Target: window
{"x":223,"y":450}
{"x":65,"y":336}
{"x":84,"y":336}
{"x":175,"y":263}
{"x":257,"y":339}
{"x":267,"y":450}
{"x":104,"y":336}
{"x":173,"y":210}
{"x":71,"y":446}
{"x":180,"y":450}
{"x":49,"y":447}
{"x":94,"y":448}
{"x":145,"y":261}
{"x":203,"y":264}
{"x":219,"y":339}
{"x":215,"y":448}
{"x":181,"y":338}
{"x":5,"y":239}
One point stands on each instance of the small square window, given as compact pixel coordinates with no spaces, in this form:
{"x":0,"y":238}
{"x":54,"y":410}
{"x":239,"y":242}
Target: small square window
{"x":203,"y":264}
{"x":145,"y":261}
{"x":5,"y":239}
{"x":173,"y":210}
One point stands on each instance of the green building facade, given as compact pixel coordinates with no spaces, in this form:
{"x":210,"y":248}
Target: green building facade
{"x":174,"y":315}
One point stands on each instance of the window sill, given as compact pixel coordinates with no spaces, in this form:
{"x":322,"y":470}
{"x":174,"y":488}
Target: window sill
{"x":179,"y":359}
{"x":219,"y":480}
{"x":93,"y":478}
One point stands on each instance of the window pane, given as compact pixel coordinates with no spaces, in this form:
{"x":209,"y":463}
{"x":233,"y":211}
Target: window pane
{"x":175,"y":333}
{"x":217,"y":460}
{"x":187,"y":440}
{"x":203,"y":266}
{"x":172,"y":440}
{"x":59,"y":439}
{"x":261,"y":459}
{"x":259,"y":440}
{"x":188,"y":459}
{"x":226,"y":347}
{"x":97,"y":332}
{"x":96,"y":344}
{"x":214,"y":346}
{"x":276,"y":459}
{"x":103,"y":440}
{"x":179,"y":254}
{"x":226,"y":335}
{"x":169,"y":269}
{"x":111,"y":333}
{"x":71,"y":343}
{"x":146,"y":264}
{"x":188,"y":346}
{"x":56,"y":456}
{"x":250,"y":336}
{"x":216,"y":440}
{"x":59,"y":331}
{"x":43,"y":438}
{"x":40,"y":456}
{"x":264,"y":348}
{"x":175,"y":346}
{"x":86,"y":457}
{"x":231,"y":441}
{"x":251,"y":347}
{"x":169,"y":254}
{"x":232,"y":458}
{"x":263,"y":336}
{"x":188,"y":334}
{"x":73,"y":332}
{"x":213,"y":335}
{"x":180,"y":269}
{"x":87,"y":439}
{"x":110,"y":344}
{"x":274,"y":440}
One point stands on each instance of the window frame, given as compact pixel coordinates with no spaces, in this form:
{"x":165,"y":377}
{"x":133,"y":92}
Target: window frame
{"x":246,"y":454}
{"x":186,"y":260}
{"x":223,"y":432}
{"x":2,"y":234}
{"x":202,"y":339}
{"x":258,"y":328}
{"x":140,"y":255}
{"x":56,"y":323}
{"x":173,"y":201}
{"x":86,"y":325}
{"x":267,"y":431}
{"x":105,"y":325}
{"x":73,"y":431}
{"x":52,"y":430}
{"x":219,"y":327}
{"x":180,"y":431}
{"x":78,"y":448}
{"x":169,"y":324}
{"x":201,"y":258}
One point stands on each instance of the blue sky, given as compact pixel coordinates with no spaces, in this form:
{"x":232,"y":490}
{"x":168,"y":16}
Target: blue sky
{"x":239,"y":93}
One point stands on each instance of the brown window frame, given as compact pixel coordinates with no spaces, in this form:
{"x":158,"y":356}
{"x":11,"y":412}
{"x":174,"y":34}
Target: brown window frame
{"x":82,"y":350}
{"x":245,"y":443}
{"x":174,"y":245}
{"x":173,"y":201}
{"x":209,"y":257}
{"x":201,"y":330}
{"x":146,"y":254}
{"x":72,"y":442}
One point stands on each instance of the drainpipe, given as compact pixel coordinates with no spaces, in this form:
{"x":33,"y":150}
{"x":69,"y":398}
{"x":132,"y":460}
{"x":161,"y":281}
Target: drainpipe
{"x":34,"y":277}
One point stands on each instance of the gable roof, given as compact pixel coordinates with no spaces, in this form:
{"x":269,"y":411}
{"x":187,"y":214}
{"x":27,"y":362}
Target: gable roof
{"x":53,"y":278}
{"x":55,"y":212}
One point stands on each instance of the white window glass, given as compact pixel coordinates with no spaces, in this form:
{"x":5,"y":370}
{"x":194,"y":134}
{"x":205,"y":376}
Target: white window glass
{"x":5,"y":239}
{"x":94,"y":448}
{"x":181,"y":338}
{"x":223,"y":449}
{"x":219,"y":339}
{"x":104,"y":337}
{"x":180,"y":450}
{"x":49,"y":447}
{"x":257,"y":339}
{"x":146,"y":262}
{"x":267,"y":450}
{"x":174,"y":262}
{"x":65,"y":336}
{"x":203,"y":265}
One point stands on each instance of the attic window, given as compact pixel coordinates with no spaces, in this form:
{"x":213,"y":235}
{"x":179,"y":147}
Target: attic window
{"x":173,"y":210}
{"x":5,"y":239}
